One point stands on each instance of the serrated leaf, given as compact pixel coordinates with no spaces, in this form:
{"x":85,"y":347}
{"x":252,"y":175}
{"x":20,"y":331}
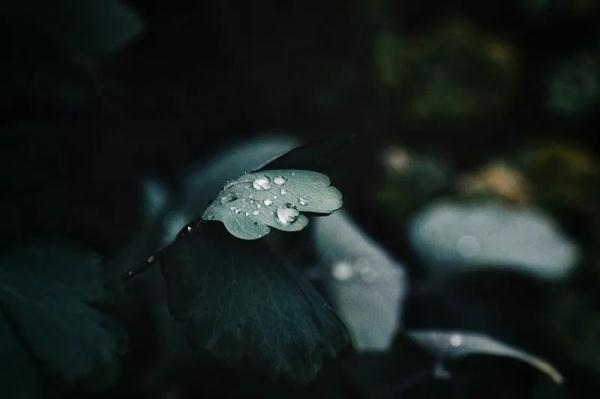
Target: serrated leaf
{"x":458,"y":344}
{"x":250,"y":205}
{"x":249,"y":307}
{"x":48,"y":291}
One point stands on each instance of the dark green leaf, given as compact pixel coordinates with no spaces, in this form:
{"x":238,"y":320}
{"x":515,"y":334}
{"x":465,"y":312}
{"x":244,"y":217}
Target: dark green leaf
{"x":47,"y":295}
{"x":18,"y":376}
{"x":249,"y":307}
{"x":317,"y":155}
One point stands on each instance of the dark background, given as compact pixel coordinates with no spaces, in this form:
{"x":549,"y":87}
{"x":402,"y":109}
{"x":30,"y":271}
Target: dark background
{"x":97,"y":96}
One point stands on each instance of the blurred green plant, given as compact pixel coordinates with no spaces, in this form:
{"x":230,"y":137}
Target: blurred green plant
{"x":454,"y":72}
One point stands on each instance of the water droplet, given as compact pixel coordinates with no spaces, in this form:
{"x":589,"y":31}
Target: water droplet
{"x":283,"y":192}
{"x":229,"y":197}
{"x":247,"y":214}
{"x":302,"y":201}
{"x":293,"y":173}
{"x":279,"y":180}
{"x":274,"y":197}
{"x":268,"y":202}
{"x":232,"y":208}
{"x":342,"y":271}
{"x":456,"y":340}
{"x":150,"y":259}
{"x":287,"y":213}
{"x":262,"y":183}
{"x":258,"y":206}
{"x":237,"y":211}
{"x":256,"y":213}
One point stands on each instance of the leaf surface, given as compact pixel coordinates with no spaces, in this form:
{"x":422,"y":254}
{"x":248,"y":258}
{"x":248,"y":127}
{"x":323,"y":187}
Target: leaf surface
{"x":248,"y":307}
{"x":48,"y":293}
{"x":254,"y":203}
{"x":457,"y":344}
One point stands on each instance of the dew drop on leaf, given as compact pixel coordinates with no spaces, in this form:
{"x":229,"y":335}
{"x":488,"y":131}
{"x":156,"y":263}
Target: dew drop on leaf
{"x":280,"y":180}
{"x":287,"y":214}
{"x":262,"y":183}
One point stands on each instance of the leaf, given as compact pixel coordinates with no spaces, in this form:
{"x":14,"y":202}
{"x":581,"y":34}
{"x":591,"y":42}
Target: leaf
{"x":457,"y":345}
{"x":250,"y":205}
{"x":316,"y":155}
{"x":79,"y":26}
{"x":18,"y":377}
{"x":48,"y":291}
{"x":452,"y":236}
{"x":249,"y":307}
{"x":366,"y":285}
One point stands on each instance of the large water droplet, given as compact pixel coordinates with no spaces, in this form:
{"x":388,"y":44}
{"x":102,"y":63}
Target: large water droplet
{"x":456,"y":340}
{"x":262,"y":183}
{"x":279,"y":180}
{"x":229,"y":197}
{"x":342,"y":271}
{"x":256,"y":213}
{"x":268,"y":202}
{"x":287,"y":213}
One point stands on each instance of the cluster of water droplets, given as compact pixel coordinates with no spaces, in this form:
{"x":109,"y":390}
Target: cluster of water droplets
{"x":347,"y":269}
{"x":285,"y":214}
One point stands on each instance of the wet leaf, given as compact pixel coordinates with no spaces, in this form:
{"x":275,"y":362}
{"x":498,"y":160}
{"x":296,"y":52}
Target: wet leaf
{"x":249,"y":307}
{"x":457,"y":344}
{"x":250,"y":205}
{"x":48,"y":290}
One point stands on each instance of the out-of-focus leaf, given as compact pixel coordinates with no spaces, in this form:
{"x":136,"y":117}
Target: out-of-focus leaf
{"x":19,"y":378}
{"x":448,"y":345}
{"x":366,"y":286}
{"x":247,"y":306}
{"x":453,"y":236}
{"x":251,"y":204}
{"x":48,"y":291}
{"x":574,"y":86}
{"x":317,"y":155}
{"x":80,"y":26}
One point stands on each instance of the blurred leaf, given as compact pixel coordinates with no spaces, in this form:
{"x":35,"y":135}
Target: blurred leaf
{"x":453,"y":236}
{"x":18,"y":375}
{"x":457,"y":345}
{"x":574,"y":86}
{"x":248,"y":306}
{"x":48,"y":291}
{"x":366,"y":285}
{"x":317,"y":155}
{"x":78,"y":26}
{"x":251,"y":204}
